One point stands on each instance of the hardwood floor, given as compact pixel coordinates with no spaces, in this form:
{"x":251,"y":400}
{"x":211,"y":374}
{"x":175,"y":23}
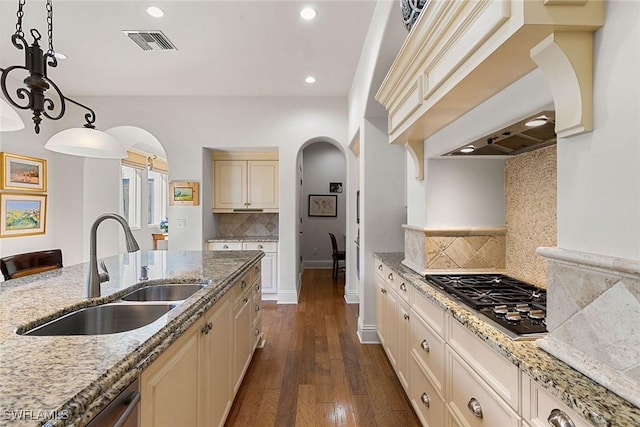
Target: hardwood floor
{"x":313,"y":371}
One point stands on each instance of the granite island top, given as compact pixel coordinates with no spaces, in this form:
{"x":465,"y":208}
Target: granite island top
{"x":67,"y":380}
{"x":595,"y":403}
{"x":244,"y":239}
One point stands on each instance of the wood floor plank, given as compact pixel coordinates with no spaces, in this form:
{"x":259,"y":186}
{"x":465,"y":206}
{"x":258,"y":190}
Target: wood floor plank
{"x":313,"y":371}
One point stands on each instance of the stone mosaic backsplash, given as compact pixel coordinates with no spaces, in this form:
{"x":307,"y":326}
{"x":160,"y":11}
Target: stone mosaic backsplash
{"x":530,"y":212}
{"x":432,"y":250}
{"x":247,"y":224}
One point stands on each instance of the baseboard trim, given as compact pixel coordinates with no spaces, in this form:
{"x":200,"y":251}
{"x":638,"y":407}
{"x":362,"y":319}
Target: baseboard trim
{"x":352,"y":298}
{"x":367,"y":334}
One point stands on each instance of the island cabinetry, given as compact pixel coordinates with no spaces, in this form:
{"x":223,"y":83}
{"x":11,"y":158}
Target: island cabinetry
{"x":195,"y":380}
{"x":245,"y":182}
{"x":256,"y":313}
{"x":386,"y":300}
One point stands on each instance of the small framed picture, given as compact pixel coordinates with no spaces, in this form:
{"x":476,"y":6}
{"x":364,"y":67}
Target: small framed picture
{"x":22,"y":214}
{"x":323,"y":205}
{"x":23,"y":173}
{"x":183,"y":193}
{"x":335,"y":187}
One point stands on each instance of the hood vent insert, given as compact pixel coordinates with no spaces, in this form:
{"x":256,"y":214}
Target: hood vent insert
{"x":514,"y":139}
{"x":150,"y":40}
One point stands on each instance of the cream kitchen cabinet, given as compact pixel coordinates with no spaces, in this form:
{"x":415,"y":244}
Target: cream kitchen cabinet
{"x":269,"y":265}
{"x":245,"y":185}
{"x":195,"y":380}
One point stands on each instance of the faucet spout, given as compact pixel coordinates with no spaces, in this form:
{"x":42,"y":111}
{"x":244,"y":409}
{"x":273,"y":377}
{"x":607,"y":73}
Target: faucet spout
{"x":94,"y":278}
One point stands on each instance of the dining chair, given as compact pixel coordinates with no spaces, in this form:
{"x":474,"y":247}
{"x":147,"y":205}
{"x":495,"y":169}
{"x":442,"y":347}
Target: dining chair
{"x":336,"y":256}
{"x":20,"y":265}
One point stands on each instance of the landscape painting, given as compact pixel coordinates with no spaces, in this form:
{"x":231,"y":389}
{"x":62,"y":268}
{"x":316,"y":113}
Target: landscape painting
{"x":22,"y":215}
{"x":183,"y":193}
{"x":23,"y":173}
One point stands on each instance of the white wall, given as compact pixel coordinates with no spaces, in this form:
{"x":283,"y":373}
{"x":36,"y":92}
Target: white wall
{"x":322,"y":163}
{"x":184,"y":125}
{"x":599,"y":172}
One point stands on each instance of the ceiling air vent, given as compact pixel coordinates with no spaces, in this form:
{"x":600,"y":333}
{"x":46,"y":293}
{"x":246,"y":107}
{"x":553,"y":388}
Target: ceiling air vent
{"x":150,"y":40}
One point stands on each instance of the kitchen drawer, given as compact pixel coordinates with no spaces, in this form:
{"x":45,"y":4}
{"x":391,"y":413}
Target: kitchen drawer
{"x":380,"y":268}
{"x":430,"y":350}
{"x":538,"y":405}
{"x":256,"y":274}
{"x":432,"y":314}
{"x":465,"y":389}
{"x":224,"y":246}
{"x":260,"y":246}
{"x":241,"y":289}
{"x":426,"y":401}
{"x":393,"y":279}
{"x":496,"y":370}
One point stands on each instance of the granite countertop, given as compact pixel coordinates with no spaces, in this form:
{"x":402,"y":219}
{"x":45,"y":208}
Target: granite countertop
{"x":594,"y":402}
{"x":67,"y":380}
{"x":244,"y":239}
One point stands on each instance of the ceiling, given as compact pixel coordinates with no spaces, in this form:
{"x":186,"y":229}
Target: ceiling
{"x":224,"y":48}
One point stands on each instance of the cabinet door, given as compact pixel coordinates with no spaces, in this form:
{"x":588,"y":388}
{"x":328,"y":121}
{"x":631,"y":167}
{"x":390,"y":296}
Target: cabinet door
{"x":242,"y":339}
{"x":381,"y":298}
{"x":168,"y":385}
{"x":229,"y":184}
{"x":403,"y":332}
{"x":269,"y":273}
{"x":263,"y":185}
{"x":215,"y":359}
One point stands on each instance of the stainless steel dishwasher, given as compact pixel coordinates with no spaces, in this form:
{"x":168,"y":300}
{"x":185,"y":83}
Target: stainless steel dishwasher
{"x":122,"y":412}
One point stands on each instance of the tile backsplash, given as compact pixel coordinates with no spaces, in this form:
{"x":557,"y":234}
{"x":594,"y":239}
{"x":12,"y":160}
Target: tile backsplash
{"x":247,"y":224}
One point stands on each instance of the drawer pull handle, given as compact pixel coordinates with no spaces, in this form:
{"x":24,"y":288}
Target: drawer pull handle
{"x":557,"y":418}
{"x":425,"y":399}
{"x":245,"y":300}
{"x":474,"y":407}
{"x":403,"y":287}
{"x":390,"y":276}
{"x":380,"y":267}
{"x":425,"y":345}
{"x":243,"y":285}
{"x":406,"y":316}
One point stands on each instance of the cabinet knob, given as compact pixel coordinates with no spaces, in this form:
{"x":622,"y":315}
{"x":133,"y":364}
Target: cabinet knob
{"x":243,"y":285}
{"x":256,"y":332}
{"x":256,"y":269}
{"x":425,"y":399}
{"x":406,"y":316}
{"x":245,"y":300}
{"x":260,"y":246}
{"x":425,"y":345}
{"x":403,"y":287}
{"x":257,"y":307}
{"x":380,"y":267}
{"x":390,"y":276}
{"x":383,"y":290}
{"x":474,"y":407}
{"x":557,"y":418}
{"x":225,"y":247}
{"x":257,"y":287}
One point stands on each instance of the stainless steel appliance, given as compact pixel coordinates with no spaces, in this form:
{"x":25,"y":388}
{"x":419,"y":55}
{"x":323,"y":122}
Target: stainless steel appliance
{"x":123,"y":411}
{"x":515,"y":307}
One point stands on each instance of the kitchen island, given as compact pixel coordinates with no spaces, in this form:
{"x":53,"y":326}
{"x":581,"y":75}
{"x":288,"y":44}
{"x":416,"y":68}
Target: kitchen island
{"x":67,"y":380}
{"x":593,"y":402}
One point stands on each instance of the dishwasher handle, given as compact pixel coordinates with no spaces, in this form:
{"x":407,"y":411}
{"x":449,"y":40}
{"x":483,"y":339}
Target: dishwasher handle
{"x":134,"y":399}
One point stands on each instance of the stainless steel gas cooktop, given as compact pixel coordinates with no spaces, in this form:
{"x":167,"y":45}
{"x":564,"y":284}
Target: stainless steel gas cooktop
{"x":516,"y":307}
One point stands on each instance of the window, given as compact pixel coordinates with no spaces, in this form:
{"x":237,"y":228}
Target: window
{"x":131,"y":195}
{"x":157,"y":198}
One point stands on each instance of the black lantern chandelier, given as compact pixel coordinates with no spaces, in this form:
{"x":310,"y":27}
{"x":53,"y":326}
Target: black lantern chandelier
{"x":34,"y":96}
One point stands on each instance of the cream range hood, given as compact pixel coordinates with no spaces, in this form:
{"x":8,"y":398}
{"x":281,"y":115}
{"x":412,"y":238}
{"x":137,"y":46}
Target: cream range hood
{"x":534,"y":132}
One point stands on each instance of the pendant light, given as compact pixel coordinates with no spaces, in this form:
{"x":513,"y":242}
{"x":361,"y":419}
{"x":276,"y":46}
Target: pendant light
{"x":9,"y":119}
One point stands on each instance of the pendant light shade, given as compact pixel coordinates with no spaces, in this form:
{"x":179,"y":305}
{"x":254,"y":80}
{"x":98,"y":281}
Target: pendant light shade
{"x":9,"y":119}
{"x":86,"y":142}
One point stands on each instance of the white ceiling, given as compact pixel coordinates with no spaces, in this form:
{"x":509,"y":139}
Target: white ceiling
{"x":225,"y":48}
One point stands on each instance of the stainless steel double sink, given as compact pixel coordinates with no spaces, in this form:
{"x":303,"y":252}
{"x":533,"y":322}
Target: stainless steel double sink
{"x":134,"y":310}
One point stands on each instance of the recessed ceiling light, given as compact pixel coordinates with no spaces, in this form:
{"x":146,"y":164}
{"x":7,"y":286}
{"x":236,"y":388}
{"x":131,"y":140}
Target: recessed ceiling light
{"x":156,"y":12}
{"x":538,"y":121}
{"x":308,"y":13}
{"x":468,"y":149}
{"x":310,"y":79}
{"x":60,"y":55}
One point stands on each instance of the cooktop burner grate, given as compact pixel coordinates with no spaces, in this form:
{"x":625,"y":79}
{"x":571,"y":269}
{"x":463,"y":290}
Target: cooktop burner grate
{"x":520,"y":306}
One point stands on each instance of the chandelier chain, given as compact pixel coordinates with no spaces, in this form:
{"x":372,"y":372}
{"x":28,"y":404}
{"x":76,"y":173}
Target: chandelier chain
{"x":50,"y":26}
{"x":20,"y":14}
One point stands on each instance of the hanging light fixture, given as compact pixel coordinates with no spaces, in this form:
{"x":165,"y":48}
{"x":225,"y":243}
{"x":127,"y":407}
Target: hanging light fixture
{"x":9,"y":119}
{"x":86,"y":141}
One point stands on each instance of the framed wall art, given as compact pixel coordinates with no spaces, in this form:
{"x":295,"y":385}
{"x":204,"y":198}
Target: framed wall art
{"x":183,"y":193}
{"x":23,"y":173}
{"x":22,"y":214}
{"x":323,"y":205}
{"x":335,"y":187}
